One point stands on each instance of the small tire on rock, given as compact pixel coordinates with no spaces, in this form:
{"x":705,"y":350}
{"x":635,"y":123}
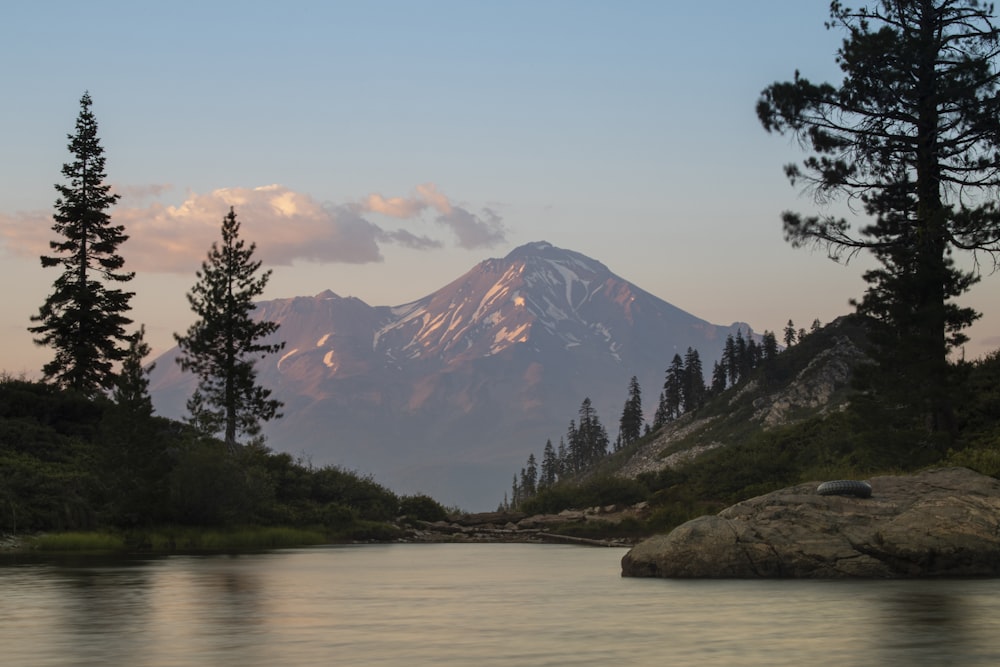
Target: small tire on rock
{"x":845,"y":487}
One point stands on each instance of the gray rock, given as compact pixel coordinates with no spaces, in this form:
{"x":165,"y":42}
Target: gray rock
{"x":937,"y":523}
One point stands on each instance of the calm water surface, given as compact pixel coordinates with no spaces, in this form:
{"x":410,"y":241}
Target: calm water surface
{"x":473,"y":605}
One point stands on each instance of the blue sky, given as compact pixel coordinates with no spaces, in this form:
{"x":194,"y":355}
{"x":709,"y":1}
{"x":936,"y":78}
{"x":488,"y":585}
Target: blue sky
{"x":381,"y":149}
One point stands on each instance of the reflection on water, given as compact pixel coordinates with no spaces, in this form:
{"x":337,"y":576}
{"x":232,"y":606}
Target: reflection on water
{"x":934,"y":624}
{"x":472,"y":605}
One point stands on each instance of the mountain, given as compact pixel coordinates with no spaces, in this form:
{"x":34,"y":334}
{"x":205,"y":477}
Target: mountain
{"x":448,"y":395}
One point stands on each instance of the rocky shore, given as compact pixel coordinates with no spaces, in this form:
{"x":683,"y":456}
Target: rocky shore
{"x":519,"y":527}
{"x":9,"y":542}
{"x":494,"y":527}
{"x":938,"y":523}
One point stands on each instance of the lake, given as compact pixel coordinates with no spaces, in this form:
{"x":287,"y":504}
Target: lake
{"x":473,"y":605}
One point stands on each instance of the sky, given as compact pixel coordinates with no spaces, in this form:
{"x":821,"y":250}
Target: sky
{"x":381,"y":149}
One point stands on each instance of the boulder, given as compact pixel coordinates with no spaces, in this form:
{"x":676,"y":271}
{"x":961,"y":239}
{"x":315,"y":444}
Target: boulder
{"x":937,"y":523}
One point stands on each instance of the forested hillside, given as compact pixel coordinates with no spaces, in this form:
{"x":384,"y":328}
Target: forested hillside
{"x":798,"y":418}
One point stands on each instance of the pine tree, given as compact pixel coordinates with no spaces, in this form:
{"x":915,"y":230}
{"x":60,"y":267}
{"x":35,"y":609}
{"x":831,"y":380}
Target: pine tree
{"x":673,"y":387}
{"x":131,"y":390}
{"x":718,"y":378}
{"x":630,"y":424}
{"x":693,"y":382}
{"x":731,"y":360}
{"x":135,"y":462}
{"x":662,"y":415}
{"x":744,"y":361}
{"x":912,"y":133}
{"x":591,"y":437}
{"x":769,"y":346}
{"x":550,"y":466}
{"x":529,"y":479}
{"x":789,"y":334}
{"x":562,"y":454}
{"x":574,"y":449}
{"x":83,"y":318}
{"x":223,"y":345}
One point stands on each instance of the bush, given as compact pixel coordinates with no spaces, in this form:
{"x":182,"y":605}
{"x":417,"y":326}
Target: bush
{"x":422,"y":508}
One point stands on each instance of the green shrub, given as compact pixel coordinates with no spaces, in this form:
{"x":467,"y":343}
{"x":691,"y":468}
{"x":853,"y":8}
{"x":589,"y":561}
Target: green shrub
{"x":422,"y":508}
{"x":985,"y":460}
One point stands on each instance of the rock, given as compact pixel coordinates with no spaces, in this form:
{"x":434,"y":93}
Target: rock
{"x":484,"y":518}
{"x":937,"y":523}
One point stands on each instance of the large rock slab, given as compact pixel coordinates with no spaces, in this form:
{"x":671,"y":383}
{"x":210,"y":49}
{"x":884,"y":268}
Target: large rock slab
{"x":937,"y":523}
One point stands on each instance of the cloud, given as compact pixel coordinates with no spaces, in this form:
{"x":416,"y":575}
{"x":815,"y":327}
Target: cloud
{"x":394,"y":207}
{"x":471,"y":230}
{"x":286,"y":226}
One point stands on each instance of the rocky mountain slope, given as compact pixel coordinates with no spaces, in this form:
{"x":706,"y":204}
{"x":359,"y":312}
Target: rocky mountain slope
{"x":810,"y":379}
{"x":447,"y":394}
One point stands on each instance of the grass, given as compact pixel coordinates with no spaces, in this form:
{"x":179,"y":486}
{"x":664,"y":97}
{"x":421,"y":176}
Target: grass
{"x":177,"y":539}
{"x":77,"y":542}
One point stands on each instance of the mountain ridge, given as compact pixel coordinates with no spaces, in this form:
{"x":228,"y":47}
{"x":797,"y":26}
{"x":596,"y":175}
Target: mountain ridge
{"x":442,"y":395}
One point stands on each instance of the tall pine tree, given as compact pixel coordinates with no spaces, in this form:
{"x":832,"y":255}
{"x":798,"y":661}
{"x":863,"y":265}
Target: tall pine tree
{"x":693,"y":382}
{"x":912,"y":134}
{"x":550,"y":466}
{"x":224,"y":344}
{"x":630,"y":425}
{"x":83,"y":319}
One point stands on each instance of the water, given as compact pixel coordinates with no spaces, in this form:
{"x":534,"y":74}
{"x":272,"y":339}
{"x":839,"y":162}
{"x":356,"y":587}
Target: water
{"x":472,"y":605}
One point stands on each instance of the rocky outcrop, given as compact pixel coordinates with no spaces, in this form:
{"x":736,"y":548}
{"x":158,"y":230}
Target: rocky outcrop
{"x":936,"y":523}
{"x":518,"y":527}
{"x":815,"y":385}
{"x":818,"y":388}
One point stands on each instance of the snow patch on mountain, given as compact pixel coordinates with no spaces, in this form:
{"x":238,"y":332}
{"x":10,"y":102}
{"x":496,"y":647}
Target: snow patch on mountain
{"x":286,"y":355}
{"x":570,"y":278}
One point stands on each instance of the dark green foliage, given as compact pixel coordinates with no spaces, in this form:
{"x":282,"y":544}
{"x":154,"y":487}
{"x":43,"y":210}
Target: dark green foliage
{"x":631,"y":422}
{"x":73,"y":463}
{"x":769,"y":346}
{"x":718,"y":378}
{"x":131,"y":390}
{"x":588,"y":441}
{"x":422,"y":508}
{"x":597,"y":491}
{"x":223,"y":345}
{"x":550,"y":466}
{"x":207,"y":487}
{"x":789,"y":334}
{"x":979,"y":411}
{"x":83,"y":319}
{"x":912,"y":135}
{"x":692,"y":382}
{"x":670,"y":398}
{"x":529,"y":477}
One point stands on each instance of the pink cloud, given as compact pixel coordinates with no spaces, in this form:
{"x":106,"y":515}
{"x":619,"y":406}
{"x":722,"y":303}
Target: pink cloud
{"x":286,"y":226}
